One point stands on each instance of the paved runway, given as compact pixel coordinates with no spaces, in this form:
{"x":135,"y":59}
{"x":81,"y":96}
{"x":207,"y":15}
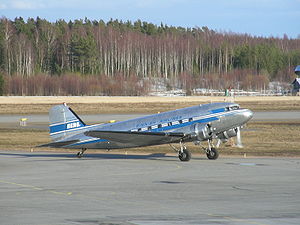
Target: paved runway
{"x":94,"y":118}
{"x":56,"y":188}
{"x":41,"y":121}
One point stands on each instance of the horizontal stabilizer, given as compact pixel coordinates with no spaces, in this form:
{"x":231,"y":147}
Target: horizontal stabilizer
{"x":138,"y":138}
{"x":59,"y":144}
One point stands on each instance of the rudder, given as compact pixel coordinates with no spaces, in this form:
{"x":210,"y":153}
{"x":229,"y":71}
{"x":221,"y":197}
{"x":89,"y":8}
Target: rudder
{"x":63,"y":121}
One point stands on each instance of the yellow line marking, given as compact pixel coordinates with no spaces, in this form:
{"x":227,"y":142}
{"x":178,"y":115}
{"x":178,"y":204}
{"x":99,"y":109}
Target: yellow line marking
{"x":35,"y":188}
{"x":242,"y":220}
{"x":236,"y":219}
{"x":84,"y":195}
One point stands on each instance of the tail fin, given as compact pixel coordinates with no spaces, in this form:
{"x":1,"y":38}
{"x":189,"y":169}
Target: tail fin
{"x":63,"y":122}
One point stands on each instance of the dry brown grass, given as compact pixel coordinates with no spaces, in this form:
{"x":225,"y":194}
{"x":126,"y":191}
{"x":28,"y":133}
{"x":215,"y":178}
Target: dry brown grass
{"x":271,"y":138}
{"x":259,"y":139}
{"x":94,"y":105}
{"x":22,"y":139}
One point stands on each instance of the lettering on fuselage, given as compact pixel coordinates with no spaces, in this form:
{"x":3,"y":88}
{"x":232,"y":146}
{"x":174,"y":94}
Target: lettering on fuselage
{"x":73,"y":125}
{"x":162,"y":121}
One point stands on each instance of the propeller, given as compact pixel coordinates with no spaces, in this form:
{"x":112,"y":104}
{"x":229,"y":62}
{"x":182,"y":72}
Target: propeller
{"x":238,"y":138}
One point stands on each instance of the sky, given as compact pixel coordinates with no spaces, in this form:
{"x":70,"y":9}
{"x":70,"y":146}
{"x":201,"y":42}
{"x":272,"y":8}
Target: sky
{"x":256,"y":17}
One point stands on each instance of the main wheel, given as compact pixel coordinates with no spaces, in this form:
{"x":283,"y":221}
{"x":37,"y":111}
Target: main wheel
{"x":184,"y":155}
{"x":79,"y":155}
{"x":212,"y":154}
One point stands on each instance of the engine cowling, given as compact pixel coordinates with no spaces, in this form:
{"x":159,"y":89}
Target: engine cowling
{"x":201,"y":132}
{"x":224,"y":136}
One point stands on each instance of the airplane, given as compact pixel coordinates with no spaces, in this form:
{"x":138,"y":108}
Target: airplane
{"x":206,"y":122}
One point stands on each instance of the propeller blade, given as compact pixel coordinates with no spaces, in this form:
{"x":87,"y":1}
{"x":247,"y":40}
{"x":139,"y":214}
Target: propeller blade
{"x":239,"y":138}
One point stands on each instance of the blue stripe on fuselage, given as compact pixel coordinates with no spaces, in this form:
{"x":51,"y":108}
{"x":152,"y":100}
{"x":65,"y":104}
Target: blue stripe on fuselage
{"x":206,"y":120}
{"x":66,"y":126}
{"x":218,"y":110}
{"x":176,"y":126}
{"x":57,"y":128}
{"x":62,"y":127}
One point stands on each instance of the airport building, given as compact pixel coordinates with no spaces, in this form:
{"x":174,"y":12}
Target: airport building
{"x":296,"y":82}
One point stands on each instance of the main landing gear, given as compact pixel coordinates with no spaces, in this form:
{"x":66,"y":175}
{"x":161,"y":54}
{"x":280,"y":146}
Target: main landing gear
{"x":80,"y":154}
{"x":183,"y":154}
{"x":211,"y":152}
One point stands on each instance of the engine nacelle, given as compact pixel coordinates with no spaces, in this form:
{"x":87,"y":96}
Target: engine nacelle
{"x":224,"y":136}
{"x":201,"y":132}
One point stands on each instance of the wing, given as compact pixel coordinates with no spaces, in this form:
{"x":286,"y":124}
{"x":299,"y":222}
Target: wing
{"x":58,"y":144}
{"x":137,"y":138}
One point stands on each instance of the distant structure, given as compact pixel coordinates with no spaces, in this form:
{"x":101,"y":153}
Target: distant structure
{"x":297,"y":70}
{"x":296,"y":82}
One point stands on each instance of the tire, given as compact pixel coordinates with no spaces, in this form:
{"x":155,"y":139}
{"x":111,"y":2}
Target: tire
{"x":185,"y":155}
{"x":213,"y":154}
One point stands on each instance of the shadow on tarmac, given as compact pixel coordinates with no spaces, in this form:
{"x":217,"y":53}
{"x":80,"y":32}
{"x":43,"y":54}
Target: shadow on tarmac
{"x":154,"y":156}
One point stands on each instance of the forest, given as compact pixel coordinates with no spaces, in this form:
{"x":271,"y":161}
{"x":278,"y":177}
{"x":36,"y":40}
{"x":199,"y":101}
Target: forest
{"x":91,"y":57}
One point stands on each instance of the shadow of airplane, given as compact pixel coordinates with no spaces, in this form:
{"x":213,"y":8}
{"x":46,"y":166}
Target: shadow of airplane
{"x":91,"y":156}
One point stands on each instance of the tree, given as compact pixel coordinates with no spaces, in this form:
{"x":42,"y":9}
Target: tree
{"x":118,"y":50}
{"x":1,"y":84}
{"x":83,"y":54}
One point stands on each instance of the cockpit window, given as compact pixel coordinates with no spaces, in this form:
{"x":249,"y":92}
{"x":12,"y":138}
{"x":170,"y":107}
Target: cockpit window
{"x":235,"y":107}
{"x":230,"y":108}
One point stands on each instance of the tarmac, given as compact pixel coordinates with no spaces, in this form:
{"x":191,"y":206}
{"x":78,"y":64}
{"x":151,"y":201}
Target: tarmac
{"x":41,"y":121}
{"x":111,"y":188}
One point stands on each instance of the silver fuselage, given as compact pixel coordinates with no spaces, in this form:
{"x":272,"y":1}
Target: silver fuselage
{"x":221,"y":117}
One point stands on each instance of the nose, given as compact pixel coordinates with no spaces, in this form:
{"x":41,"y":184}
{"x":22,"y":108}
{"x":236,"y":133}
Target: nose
{"x":248,"y":114}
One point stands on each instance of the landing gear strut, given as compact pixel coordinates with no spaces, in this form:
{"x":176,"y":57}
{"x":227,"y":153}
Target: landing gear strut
{"x":80,"y":154}
{"x":211,"y":152}
{"x":183,"y":154}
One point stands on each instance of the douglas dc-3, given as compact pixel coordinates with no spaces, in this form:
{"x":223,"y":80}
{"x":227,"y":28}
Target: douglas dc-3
{"x":193,"y":124}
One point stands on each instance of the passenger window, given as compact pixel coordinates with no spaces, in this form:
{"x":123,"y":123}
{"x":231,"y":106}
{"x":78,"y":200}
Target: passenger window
{"x":185,"y":120}
{"x":164,"y":125}
{"x":175,"y":122}
{"x":154,"y":126}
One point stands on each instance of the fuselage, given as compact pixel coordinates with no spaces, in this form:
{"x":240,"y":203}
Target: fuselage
{"x":223,"y":116}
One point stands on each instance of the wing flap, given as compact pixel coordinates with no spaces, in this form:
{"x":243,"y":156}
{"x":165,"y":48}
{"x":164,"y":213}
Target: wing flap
{"x":138,"y":138}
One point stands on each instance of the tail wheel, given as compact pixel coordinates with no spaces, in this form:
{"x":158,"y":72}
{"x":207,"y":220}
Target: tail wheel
{"x":212,"y":154}
{"x":80,"y":154}
{"x":184,"y":155}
